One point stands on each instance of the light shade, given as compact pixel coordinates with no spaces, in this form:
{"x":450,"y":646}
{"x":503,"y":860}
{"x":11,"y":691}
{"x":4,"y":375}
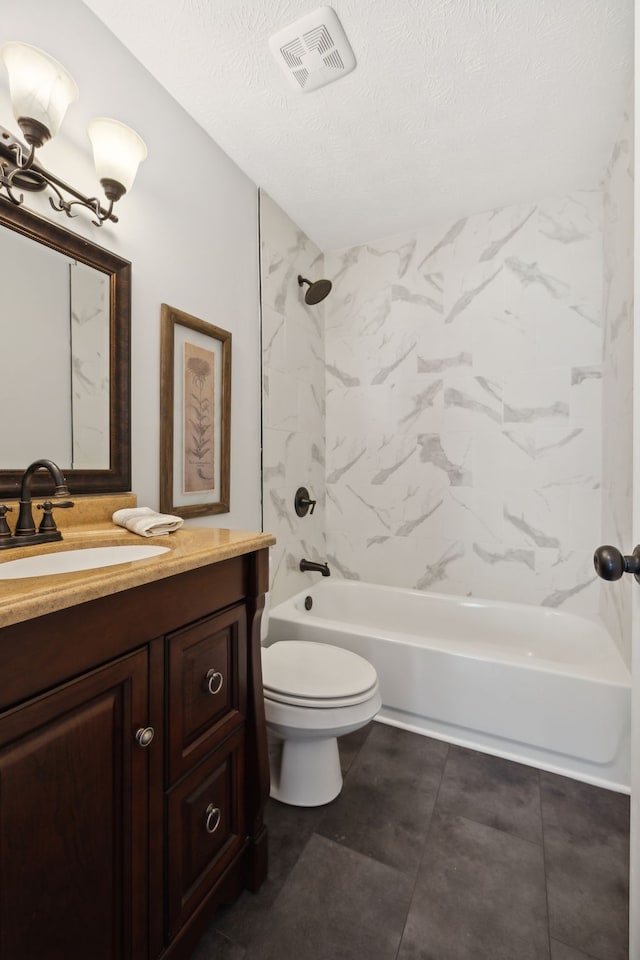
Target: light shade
{"x":117,"y":151}
{"x":41,"y":89}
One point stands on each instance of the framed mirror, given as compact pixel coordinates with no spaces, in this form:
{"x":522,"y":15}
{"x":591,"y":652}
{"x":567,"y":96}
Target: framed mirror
{"x":65,"y":382}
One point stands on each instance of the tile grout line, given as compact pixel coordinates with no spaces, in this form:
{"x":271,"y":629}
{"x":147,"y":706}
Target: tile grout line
{"x":422,"y":854}
{"x":544,"y":864}
{"x":570,"y":946}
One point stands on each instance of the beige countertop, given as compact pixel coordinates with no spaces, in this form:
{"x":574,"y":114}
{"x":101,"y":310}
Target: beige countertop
{"x":189,"y":548}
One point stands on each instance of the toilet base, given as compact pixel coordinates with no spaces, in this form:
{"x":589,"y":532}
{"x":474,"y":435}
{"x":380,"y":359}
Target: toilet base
{"x":306,"y":773}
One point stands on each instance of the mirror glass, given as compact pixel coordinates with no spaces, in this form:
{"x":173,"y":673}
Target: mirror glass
{"x":65,"y":386}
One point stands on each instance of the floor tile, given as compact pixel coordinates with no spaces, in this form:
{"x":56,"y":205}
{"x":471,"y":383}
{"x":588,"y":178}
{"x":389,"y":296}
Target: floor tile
{"x":579,"y":809}
{"x":560,"y":951}
{"x":388,"y":797}
{"x":336,"y":905}
{"x":480,"y":895}
{"x":493,"y":791}
{"x":214,"y":946}
{"x":350,"y":746}
{"x":341,"y":873}
{"x":289,"y":831}
{"x":586,"y":842}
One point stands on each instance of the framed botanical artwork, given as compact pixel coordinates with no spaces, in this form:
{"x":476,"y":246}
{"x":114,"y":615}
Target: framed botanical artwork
{"x":195,"y":415}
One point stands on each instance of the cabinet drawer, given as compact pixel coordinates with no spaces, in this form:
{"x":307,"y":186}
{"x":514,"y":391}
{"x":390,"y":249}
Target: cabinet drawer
{"x":207,"y":687}
{"x":205,"y":826}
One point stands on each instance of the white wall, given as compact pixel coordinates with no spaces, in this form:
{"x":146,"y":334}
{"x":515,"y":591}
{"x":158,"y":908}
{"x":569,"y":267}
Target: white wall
{"x":617,"y":384}
{"x":189,"y":227}
{"x":293,"y":399}
{"x":463,"y":405}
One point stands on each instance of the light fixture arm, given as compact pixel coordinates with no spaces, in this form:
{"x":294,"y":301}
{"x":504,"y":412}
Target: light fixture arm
{"x":89,"y":203}
{"x":41,"y":90}
{"x":19,"y":170}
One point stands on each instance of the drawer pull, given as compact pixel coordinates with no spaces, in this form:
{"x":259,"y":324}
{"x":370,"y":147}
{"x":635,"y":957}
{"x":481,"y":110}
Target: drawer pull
{"x":145,"y":735}
{"x":213,"y":818}
{"x":215,"y":681}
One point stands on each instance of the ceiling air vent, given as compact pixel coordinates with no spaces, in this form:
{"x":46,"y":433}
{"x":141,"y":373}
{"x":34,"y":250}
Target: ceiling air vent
{"x":314,"y":50}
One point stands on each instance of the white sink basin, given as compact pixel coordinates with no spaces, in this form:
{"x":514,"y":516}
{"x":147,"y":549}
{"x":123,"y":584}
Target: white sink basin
{"x":70,"y":561}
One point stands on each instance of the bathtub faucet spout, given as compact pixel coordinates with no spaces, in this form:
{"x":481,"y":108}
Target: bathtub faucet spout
{"x":322,"y":568}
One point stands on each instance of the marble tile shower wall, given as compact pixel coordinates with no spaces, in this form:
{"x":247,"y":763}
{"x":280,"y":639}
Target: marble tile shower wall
{"x":463,"y":424}
{"x":293,"y":441}
{"x":617,"y":381}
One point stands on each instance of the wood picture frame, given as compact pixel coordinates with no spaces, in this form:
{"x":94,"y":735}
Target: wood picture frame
{"x":195,"y":415}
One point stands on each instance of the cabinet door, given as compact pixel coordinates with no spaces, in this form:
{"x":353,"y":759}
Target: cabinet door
{"x":73,"y":820}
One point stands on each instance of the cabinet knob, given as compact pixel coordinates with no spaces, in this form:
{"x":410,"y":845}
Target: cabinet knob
{"x":215,"y":680}
{"x":213,"y":818}
{"x":145,"y":735}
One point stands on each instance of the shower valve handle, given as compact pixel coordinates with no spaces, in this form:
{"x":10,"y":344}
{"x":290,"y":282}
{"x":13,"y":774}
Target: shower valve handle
{"x":610,"y":564}
{"x":303,"y":502}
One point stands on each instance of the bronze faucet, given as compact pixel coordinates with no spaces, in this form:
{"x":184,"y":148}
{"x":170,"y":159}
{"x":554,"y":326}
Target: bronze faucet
{"x":25,"y":532}
{"x":322,"y":568}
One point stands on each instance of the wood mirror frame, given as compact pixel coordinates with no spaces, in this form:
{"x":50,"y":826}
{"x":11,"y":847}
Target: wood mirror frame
{"x":117,"y":477}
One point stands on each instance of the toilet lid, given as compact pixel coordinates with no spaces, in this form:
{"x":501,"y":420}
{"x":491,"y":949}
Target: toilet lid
{"x":302,"y":672}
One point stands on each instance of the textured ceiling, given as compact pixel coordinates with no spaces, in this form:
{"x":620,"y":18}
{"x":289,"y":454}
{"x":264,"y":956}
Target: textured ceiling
{"x":455,"y":106}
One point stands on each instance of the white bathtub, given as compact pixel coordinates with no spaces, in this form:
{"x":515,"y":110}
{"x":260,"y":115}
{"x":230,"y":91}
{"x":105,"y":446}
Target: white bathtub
{"x":532,"y":684}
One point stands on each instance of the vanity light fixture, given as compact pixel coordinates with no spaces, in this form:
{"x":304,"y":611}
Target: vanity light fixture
{"x":41,"y":90}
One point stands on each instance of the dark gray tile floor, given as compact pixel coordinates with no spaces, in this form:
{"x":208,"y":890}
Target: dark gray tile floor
{"x":435,"y":852}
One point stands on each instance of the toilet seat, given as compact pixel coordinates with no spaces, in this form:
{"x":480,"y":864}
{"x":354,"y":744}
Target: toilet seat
{"x":316,"y":675}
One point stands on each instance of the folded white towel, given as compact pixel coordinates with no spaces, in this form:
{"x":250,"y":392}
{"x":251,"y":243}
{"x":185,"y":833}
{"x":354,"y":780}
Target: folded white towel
{"x":147,"y":522}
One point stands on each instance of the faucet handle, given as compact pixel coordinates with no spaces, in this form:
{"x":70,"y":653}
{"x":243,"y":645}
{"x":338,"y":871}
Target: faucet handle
{"x":48,"y":523}
{"x":4,"y":526}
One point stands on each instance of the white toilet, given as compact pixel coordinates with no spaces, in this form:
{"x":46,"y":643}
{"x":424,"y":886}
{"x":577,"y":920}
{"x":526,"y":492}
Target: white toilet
{"x":313,"y":693}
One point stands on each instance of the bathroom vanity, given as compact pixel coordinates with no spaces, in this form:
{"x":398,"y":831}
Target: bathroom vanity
{"x":133,"y":760}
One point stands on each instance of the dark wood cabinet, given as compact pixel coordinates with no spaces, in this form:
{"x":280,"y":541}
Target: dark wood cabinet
{"x":205,"y":829}
{"x":206,"y":688}
{"x":73,"y":819}
{"x":132,"y":780}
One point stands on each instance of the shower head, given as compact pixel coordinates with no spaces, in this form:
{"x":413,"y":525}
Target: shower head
{"x":317,"y":291}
